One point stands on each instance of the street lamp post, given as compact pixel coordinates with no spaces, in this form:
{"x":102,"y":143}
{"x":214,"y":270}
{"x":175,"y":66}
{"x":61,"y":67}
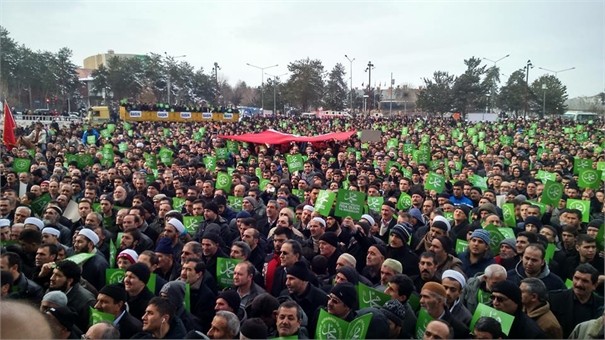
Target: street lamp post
{"x":218,"y":89}
{"x":169,"y":85}
{"x":527,"y":67}
{"x":544,"y":101}
{"x":557,"y":72}
{"x":351,"y":78}
{"x":495,"y":62}
{"x":369,"y":70}
{"x":262,"y":82}
{"x":275,"y":78}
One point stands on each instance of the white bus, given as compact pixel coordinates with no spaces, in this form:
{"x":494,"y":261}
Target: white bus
{"x":579,"y":116}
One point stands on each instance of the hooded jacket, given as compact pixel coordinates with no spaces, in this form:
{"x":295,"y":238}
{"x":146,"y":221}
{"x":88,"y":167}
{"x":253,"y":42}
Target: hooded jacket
{"x":546,"y":320}
{"x":551,"y":280}
{"x":175,"y":290}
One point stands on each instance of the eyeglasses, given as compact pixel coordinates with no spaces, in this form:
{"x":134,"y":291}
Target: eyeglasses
{"x":498,"y":298}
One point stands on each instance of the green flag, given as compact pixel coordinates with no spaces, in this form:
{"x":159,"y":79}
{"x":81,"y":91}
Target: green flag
{"x":508,"y":210}
{"x":40,"y":203}
{"x":370,"y":297}
{"x":435,"y":182}
{"x":479,"y":181}
{"x":550,"y":252}
{"x":21,"y":165}
{"x":114,"y":275}
{"x":423,"y":320}
{"x":546,"y":176}
{"x":350,"y":203}
{"x":235,"y":202}
{"x":187,"y":299}
{"x":223,"y":181}
{"x":295,"y":162}
{"x":404,"y":202}
{"x":324,"y":202}
{"x":105,"y":133}
{"x":232,"y":146}
{"x":113,"y":252}
{"x":392,"y":143}
{"x":111,"y":128}
{"x":166,"y":156}
{"x":97,"y":316}
{"x":263,"y":183}
{"x":177,"y":203}
{"x":222,"y":153}
{"x":84,"y":161}
{"x":589,"y":178}
{"x":580,"y":164}
{"x":600,"y":238}
{"x":495,"y":237}
{"x":408,"y":149}
{"x":123,"y":147}
{"x":91,"y":139}
{"x":505,"y":320}
{"x":80,"y":258}
{"x":375,"y":203}
{"x":192,"y":223}
{"x":332,"y":327}
{"x":224,"y":271}
{"x":583,"y":206}
{"x":552,"y":193}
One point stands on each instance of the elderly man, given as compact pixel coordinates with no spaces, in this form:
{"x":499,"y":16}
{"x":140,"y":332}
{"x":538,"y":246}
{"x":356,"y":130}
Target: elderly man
{"x":506,"y":297}
{"x":433,"y":298}
{"x":534,"y":296}
{"x":478,"y":289}
{"x":225,"y":325}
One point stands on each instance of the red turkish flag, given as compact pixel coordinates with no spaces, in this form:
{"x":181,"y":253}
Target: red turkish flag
{"x":9,"y":138}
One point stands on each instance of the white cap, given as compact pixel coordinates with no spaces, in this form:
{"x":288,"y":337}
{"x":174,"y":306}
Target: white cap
{"x":51,"y":231}
{"x":368,"y":218}
{"x":4,"y":223}
{"x":35,"y":221}
{"x":309,"y":207}
{"x":444,"y":220}
{"x":320,"y":220}
{"x":89,"y":234}
{"x":452,"y":274}
{"x":178,"y":225}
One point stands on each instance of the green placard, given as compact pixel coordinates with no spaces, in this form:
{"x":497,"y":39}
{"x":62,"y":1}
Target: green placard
{"x":114,"y":275}
{"x":210,"y":162}
{"x":495,"y":236}
{"x":508,"y":210}
{"x":375,"y":203}
{"x":177,"y":203}
{"x":507,"y":232}
{"x":80,"y":258}
{"x":295,"y":162}
{"x":435,"y":182}
{"x":580,"y":164}
{"x":223,"y":181}
{"x":552,"y":193}
{"x":235,"y":202}
{"x":589,"y":178}
{"x":91,"y":139}
{"x":187,"y":299}
{"x":479,"y":181}
{"x":263,"y":183}
{"x":324,"y":202}
{"x":123,"y":147}
{"x":404,"y":202}
{"x":550,"y":252}
{"x":40,"y":203}
{"x":222,"y":153}
{"x":461,"y":246}
{"x":192,"y":223}
{"x":84,"y":161}
{"x":350,"y":203}
{"x":111,"y":127}
{"x":166,"y":156}
{"x":370,"y":297}
{"x":105,"y":133}
{"x":331,"y":327}
{"x":21,"y":165}
{"x":505,"y":320}
{"x":583,"y":206}
{"x":569,"y":283}
{"x":98,"y":316}
{"x":546,"y":176}
{"x":423,"y":320}
{"x":224,"y":271}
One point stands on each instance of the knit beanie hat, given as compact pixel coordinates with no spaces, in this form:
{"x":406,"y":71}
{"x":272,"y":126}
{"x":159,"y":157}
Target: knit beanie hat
{"x":232,"y":298}
{"x":140,"y":270}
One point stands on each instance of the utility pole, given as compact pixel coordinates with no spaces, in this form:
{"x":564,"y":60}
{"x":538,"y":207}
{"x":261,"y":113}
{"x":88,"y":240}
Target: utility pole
{"x":391,"y":101}
{"x":527,"y":67}
{"x":369,"y":70}
{"x":218,"y":89}
{"x":351,"y":78}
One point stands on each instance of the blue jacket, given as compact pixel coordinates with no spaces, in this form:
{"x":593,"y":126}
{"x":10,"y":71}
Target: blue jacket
{"x":471,"y":269}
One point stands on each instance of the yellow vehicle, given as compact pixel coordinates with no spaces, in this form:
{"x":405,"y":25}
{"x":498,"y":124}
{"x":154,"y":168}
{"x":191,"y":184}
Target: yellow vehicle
{"x":98,"y":114}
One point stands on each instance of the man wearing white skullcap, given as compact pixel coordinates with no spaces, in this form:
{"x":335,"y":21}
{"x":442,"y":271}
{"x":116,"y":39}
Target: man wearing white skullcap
{"x":5,"y":229}
{"x":93,"y":268}
{"x":33,"y":223}
{"x":454,"y":282}
{"x":173,"y":229}
{"x":50,"y":235}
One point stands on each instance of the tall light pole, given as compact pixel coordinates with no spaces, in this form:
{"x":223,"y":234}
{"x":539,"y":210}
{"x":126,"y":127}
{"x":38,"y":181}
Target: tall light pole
{"x":351,"y":78}
{"x":544,"y":101}
{"x":527,"y":67}
{"x":169,"y":85}
{"x":557,"y":72}
{"x":218,"y":91}
{"x":369,"y":70}
{"x":275,"y":78}
{"x":495,"y":62}
{"x":262,"y":82}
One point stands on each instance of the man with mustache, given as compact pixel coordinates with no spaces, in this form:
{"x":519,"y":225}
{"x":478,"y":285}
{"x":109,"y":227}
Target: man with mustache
{"x":427,"y":267}
{"x":577,"y":304}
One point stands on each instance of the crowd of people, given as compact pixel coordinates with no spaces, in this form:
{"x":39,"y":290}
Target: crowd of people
{"x":172,"y":230}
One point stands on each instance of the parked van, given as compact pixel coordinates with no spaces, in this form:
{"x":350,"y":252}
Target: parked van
{"x":579,"y":116}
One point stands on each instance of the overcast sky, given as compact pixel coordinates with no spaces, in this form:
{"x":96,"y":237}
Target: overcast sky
{"x":411,"y":39}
